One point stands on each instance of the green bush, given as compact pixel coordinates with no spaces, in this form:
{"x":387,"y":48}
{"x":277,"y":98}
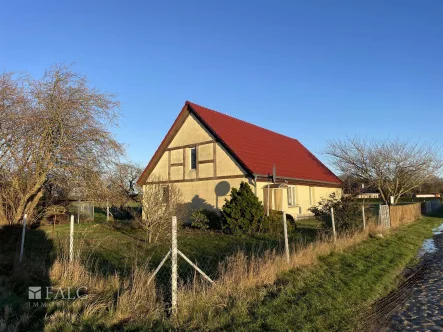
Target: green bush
{"x":199,"y":219}
{"x":347,"y":213}
{"x":205,"y":219}
{"x":243,"y":213}
{"x":273,"y":224}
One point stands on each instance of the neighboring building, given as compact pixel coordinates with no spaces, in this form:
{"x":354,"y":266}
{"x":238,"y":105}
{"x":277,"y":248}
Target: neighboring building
{"x":369,"y":195}
{"x":430,"y":195}
{"x":206,"y":153}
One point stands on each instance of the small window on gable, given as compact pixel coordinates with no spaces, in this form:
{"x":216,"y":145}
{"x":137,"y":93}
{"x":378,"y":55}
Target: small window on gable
{"x":193,"y":156}
{"x":165,"y":195}
{"x":311,"y":196}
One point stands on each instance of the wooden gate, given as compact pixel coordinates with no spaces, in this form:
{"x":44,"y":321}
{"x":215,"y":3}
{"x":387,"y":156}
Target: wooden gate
{"x":384,"y":219}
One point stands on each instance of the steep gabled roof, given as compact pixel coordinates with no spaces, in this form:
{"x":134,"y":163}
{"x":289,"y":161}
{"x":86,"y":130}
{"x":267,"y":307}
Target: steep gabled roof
{"x":255,"y":148}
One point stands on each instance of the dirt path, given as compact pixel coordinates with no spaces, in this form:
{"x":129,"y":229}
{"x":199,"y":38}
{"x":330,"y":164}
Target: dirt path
{"x":423,"y":308}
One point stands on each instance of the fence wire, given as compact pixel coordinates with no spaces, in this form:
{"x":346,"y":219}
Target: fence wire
{"x":121,"y":247}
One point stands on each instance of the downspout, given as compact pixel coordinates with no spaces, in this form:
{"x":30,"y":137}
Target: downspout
{"x":255,"y":184}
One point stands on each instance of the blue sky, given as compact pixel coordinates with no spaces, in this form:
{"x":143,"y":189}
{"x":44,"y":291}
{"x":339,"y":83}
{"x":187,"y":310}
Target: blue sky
{"x":313,"y":70}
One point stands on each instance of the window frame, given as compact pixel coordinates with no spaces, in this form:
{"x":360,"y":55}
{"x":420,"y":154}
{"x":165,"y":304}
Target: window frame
{"x":165,"y":195}
{"x":311,"y":196}
{"x":293,"y":191}
{"x":191,"y":154}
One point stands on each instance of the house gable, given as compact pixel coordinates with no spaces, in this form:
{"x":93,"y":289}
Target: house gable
{"x":191,"y":132}
{"x":173,"y":162}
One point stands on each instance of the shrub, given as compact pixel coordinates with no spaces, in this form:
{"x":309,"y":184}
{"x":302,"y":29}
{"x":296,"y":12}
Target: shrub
{"x":243,"y":213}
{"x":273,"y":224}
{"x":199,"y":219}
{"x":205,"y":219}
{"x":347,"y":213}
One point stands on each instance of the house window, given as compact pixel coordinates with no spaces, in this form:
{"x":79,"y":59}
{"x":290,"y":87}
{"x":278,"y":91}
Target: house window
{"x":291,"y":196}
{"x":193,"y":154}
{"x":165,"y":195}
{"x":311,"y":196}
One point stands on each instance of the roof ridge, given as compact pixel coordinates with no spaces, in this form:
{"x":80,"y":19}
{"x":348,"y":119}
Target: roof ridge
{"x":237,"y":119}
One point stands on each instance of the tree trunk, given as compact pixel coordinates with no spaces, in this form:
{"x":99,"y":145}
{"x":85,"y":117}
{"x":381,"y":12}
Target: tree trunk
{"x":148,"y":236}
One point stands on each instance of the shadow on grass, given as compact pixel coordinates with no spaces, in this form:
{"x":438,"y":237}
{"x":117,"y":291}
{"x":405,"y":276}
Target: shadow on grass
{"x":16,"y":308}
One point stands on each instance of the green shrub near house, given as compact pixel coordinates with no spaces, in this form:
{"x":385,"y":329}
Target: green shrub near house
{"x":205,"y":219}
{"x":273,"y":225}
{"x":243,"y":213}
{"x":347,"y":213}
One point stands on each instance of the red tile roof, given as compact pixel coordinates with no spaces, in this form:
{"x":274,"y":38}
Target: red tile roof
{"x":258,"y":149}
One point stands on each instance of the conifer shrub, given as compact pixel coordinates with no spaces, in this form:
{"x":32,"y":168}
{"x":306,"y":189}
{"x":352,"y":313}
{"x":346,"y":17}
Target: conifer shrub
{"x":243,"y":213}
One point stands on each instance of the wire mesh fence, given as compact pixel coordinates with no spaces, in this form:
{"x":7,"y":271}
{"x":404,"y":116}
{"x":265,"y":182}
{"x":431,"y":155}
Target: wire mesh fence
{"x":82,"y":210}
{"x":120,"y":248}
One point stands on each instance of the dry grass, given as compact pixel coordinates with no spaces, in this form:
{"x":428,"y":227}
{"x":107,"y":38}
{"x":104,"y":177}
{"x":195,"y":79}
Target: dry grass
{"x":111,"y":301}
{"x":9,"y":323}
{"x":114,"y":300}
{"x":242,"y":277}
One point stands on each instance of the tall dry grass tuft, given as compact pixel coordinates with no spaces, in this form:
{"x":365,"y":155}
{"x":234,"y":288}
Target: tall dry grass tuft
{"x":111,"y":299}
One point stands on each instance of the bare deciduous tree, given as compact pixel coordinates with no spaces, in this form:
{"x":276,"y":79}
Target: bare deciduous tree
{"x":160,"y":202}
{"x":124,"y":180}
{"x":118,"y":184}
{"x":394,"y":167}
{"x":52,"y":130}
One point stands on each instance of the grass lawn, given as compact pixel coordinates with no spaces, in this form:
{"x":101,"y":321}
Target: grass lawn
{"x":112,"y":249}
{"x":335,"y":294}
{"x":331,"y":295}
{"x":118,"y":248}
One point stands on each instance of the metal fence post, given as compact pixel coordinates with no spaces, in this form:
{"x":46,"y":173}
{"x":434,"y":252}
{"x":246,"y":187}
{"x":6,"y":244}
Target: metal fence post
{"x":22,"y":247}
{"x":285,"y":230}
{"x":333,"y":224}
{"x":71,"y":240}
{"x":107,"y":210}
{"x":78,"y":212}
{"x":363,"y":215}
{"x":174,"y":266}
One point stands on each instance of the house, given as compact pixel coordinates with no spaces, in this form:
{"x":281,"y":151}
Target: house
{"x":369,"y":195}
{"x":206,"y":153}
{"x":430,"y":195}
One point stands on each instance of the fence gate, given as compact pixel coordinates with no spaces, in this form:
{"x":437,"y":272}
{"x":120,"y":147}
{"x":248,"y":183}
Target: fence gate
{"x":384,"y":219}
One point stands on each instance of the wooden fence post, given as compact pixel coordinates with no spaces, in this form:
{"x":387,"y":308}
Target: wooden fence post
{"x":285,"y":230}
{"x":71,"y":240}
{"x":174,"y":266}
{"x":333,"y":224}
{"x":22,"y":247}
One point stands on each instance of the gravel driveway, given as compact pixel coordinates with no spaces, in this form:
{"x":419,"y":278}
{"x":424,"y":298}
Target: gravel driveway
{"x":423,"y":310}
